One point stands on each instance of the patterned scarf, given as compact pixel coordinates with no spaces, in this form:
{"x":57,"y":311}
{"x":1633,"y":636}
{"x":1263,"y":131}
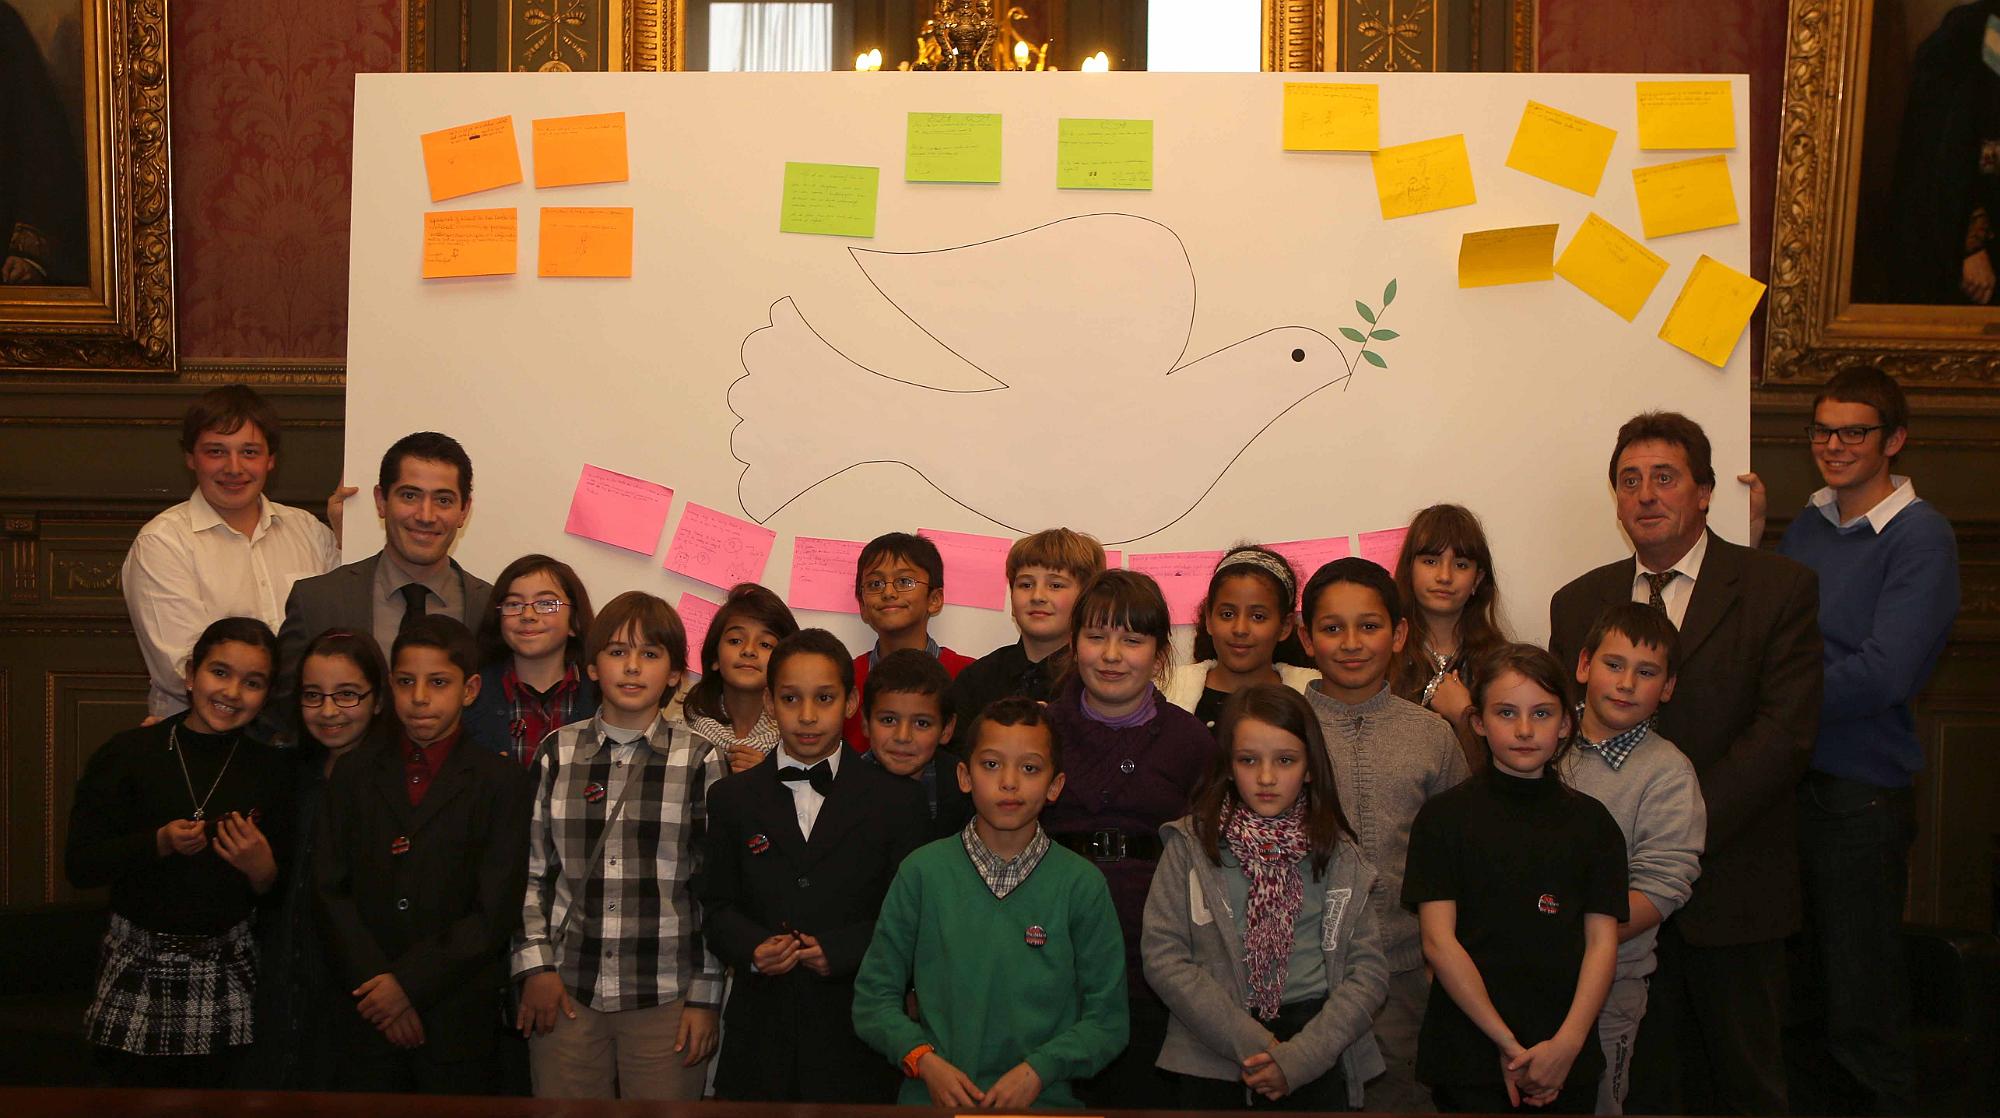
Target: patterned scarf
{"x":1269,"y":850}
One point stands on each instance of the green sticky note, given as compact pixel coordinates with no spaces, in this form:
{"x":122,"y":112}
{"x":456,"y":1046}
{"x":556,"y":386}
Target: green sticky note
{"x":828,"y":198}
{"x":1104,"y":154}
{"x":952,"y":147}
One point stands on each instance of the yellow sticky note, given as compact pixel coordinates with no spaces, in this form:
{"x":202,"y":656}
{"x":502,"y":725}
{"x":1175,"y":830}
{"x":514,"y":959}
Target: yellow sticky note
{"x":1424,"y":176}
{"x":1566,"y":150}
{"x":468,"y":243}
{"x":1685,"y":196}
{"x":1522,"y":254}
{"x":1332,"y":116}
{"x":579,"y":149}
{"x":585,"y":241}
{"x":1611,"y":267}
{"x":1713,"y":308}
{"x":1676,"y":115}
{"x":471,"y":158}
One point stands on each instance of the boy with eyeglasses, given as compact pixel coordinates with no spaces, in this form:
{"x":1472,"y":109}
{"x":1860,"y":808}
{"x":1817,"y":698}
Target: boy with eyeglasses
{"x":899,"y":584}
{"x":1888,"y":591}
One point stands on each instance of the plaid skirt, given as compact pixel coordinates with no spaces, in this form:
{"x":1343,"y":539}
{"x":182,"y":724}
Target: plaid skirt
{"x":160,"y":994}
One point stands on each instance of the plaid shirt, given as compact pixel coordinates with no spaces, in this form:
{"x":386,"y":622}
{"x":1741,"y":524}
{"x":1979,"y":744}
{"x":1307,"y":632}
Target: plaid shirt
{"x":635,"y":940}
{"x":1003,"y":877}
{"x":532,"y":715}
{"x":1618,"y":747}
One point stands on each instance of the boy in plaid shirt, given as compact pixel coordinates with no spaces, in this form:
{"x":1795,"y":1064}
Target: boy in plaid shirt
{"x":619,"y":994}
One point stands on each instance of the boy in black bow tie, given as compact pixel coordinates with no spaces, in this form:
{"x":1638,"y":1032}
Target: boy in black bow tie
{"x":799,"y":853}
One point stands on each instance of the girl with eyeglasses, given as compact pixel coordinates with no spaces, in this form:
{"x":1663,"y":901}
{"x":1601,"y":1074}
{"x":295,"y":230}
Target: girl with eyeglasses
{"x":343,"y":693}
{"x":532,"y":677}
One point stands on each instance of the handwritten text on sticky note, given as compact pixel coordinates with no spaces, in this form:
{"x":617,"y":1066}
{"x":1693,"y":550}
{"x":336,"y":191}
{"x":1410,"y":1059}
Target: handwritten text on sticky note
{"x":619,"y":509}
{"x":1560,"y":148}
{"x":1523,"y":254}
{"x":469,"y":243}
{"x":1424,"y":176}
{"x":1713,"y":308}
{"x":1610,"y":267}
{"x":1183,"y":577}
{"x":1382,"y":547}
{"x":829,"y":199}
{"x":717,"y":548}
{"x":697,"y":614}
{"x":952,"y":147}
{"x":1685,"y":196}
{"x":1675,"y":115}
{"x":471,"y":157}
{"x":823,"y":575}
{"x":579,"y":149}
{"x":1307,"y":556}
{"x":585,"y":241}
{"x":1104,"y":154}
{"x":975,"y":568}
{"x":1332,"y":116}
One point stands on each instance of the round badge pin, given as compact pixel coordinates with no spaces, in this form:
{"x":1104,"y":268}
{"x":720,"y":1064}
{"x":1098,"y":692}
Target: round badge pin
{"x":1036,"y":935}
{"x":759,"y":843}
{"x":1546,"y":904}
{"x":1127,"y":766}
{"x":593,"y":792}
{"x":399,"y":845}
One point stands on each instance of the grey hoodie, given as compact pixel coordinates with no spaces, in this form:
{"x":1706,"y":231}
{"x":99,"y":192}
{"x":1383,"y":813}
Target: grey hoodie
{"x":1193,"y":952}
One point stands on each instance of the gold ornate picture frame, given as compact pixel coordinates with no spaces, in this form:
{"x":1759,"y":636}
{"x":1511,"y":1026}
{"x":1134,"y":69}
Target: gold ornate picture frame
{"x":88,"y":270}
{"x":1833,"y":220}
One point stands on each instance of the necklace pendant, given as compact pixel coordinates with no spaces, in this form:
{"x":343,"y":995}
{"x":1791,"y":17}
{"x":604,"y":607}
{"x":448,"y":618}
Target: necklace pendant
{"x":197,"y":813}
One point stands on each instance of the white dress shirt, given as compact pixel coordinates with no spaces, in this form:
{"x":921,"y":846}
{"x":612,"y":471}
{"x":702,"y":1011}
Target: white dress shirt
{"x":188,"y":569}
{"x":1901,"y":497}
{"x":1676,"y":594}
{"x":806,"y":801}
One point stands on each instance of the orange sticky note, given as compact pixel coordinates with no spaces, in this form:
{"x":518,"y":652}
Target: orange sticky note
{"x":579,"y":149}
{"x":585,"y":241}
{"x":471,"y":158}
{"x":469,"y":243}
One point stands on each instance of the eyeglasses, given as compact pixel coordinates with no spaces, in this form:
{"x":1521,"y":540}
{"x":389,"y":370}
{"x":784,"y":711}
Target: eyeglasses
{"x":903,"y":584}
{"x":1849,"y":436}
{"x":340,"y":698}
{"x":541,"y":605}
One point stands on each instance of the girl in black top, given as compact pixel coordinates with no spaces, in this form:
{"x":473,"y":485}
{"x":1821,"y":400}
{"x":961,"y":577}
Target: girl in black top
{"x":174,"y":818}
{"x":1519,"y":887}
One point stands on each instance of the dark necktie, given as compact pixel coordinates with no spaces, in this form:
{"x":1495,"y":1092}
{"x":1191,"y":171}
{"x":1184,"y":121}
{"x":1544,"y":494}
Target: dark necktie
{"x":414,"y":600}
{"x":1656,"y":583}
{"x":819,"y":776}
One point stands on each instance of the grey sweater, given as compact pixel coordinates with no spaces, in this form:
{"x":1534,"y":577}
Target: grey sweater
{"x":1390,"y":756}
{"x":1657,"y":802}
{"x":1193,"y":951}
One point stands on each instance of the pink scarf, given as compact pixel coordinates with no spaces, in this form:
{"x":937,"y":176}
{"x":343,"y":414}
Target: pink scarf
{"x":1269,"y":851}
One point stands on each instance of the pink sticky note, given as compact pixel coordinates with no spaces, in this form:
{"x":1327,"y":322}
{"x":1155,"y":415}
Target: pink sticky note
{"x":1307,"y":556}
{"x":717,"y":548}
{"x":1384,"y":546}
{"x":619,"y":509}
{"x":1183,"y":578}
{"x":975,"y":568}
{"x":697,"y":614}
{"x":823,"y":575}
{"x":1114,"y":559}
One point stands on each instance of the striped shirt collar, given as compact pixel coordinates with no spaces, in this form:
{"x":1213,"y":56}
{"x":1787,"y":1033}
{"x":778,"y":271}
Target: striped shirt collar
{"x":1003,"y":877}
{"x":1616,"y":749}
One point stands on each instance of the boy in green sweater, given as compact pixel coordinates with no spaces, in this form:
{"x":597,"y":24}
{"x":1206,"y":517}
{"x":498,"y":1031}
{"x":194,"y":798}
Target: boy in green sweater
{"x":1031,"y":994}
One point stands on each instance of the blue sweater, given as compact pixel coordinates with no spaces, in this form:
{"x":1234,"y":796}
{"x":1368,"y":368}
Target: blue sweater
{"x":1886,"y":604}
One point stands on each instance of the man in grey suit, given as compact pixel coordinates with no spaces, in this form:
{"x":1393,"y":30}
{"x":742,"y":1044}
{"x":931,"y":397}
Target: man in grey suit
{"x":1745,"y":710}
{"x":423,"y":497}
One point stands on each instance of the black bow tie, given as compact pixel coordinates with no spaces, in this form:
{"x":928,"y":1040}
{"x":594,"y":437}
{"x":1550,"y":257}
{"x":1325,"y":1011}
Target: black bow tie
{"x":820,"y":776}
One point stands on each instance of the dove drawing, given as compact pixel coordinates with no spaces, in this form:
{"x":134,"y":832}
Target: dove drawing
{"x":1112,"y":300}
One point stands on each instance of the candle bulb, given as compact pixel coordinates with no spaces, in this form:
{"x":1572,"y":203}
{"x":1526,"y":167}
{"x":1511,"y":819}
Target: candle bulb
{"x":1020,"y":55}
{"x":1096,"y":64}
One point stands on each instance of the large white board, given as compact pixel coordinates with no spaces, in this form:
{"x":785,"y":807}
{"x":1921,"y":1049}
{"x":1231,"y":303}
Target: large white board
{"x":1052,"y":339}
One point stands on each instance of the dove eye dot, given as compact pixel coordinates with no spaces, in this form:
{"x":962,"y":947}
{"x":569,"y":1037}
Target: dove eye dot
{"x":1298,"y":355}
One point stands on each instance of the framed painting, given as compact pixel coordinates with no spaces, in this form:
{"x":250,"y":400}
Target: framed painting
{"x":1887,"y":229}
{"x":86,"y":230}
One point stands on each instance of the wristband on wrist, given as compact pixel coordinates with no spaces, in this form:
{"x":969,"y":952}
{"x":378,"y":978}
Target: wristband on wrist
{"x":916,"y":1054}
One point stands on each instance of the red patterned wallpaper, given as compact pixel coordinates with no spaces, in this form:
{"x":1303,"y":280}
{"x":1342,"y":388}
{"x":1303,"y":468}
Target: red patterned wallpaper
{"x":1693,"y":36}
{"x":263,"y":93}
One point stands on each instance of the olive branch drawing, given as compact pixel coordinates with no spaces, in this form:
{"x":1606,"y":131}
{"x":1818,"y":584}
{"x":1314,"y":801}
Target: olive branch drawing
{"x":1372,"y":316}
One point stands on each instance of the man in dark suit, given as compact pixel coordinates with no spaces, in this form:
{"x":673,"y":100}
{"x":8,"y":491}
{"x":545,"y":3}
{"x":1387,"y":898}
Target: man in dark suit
{"x":423,"y":497}
{"x":799,"y":853}
{"x":1745,"y":710}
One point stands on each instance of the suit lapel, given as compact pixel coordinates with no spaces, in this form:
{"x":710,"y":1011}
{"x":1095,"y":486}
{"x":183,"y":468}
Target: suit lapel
{"x":390,"y":783}
{"x":842,"y":808}
{"x":354,"y":607}
{"x":775,"y":808}
{"x":449,"y":784}
{"x":1714,"y":593}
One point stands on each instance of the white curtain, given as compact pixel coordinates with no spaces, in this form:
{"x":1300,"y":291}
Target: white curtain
{"x":1204,"y":36}
{"x":769,"y":38}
